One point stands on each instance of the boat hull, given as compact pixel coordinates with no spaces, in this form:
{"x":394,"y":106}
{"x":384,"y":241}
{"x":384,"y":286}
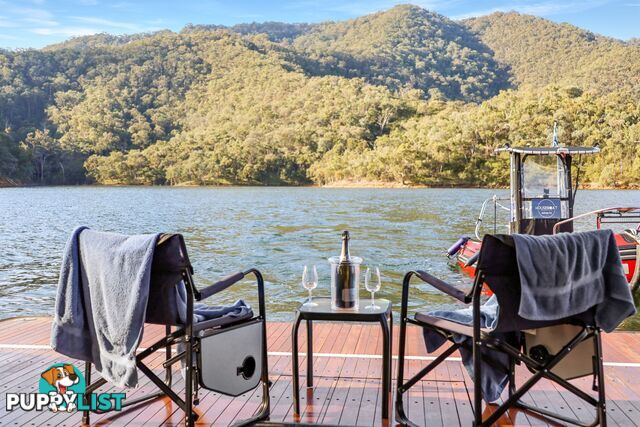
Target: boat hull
{"x":627,"y":245}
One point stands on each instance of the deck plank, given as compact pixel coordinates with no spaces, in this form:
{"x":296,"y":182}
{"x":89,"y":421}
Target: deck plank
{"x":433,"y":415}
{"x":460,"y":393}
{"x":346,"y":389}
{"x":369,"y":402}
{"x":349,"y":414}
{"x":414,"y":402}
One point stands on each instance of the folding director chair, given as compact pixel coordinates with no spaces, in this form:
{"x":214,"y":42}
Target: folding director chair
{"x":558,"y":350}
{"x":228,"y":357}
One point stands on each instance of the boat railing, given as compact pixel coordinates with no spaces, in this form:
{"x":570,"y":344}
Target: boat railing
{"x":496,"y":204}
{"x":617,"y":215}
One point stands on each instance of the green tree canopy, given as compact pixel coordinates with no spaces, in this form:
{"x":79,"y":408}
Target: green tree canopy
{"x":405,"y":96}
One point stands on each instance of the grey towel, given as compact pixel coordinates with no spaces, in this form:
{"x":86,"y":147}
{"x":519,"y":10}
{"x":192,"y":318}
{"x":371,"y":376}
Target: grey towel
{"x":494,"y":376}
{"x":102,"y":300}
{"x":570,"y":273}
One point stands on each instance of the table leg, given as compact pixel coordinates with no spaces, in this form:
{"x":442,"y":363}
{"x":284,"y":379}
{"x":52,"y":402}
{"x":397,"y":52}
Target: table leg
{"x":294,"y":366}
{"x":309,"y":354}
{"x":386,"y":365}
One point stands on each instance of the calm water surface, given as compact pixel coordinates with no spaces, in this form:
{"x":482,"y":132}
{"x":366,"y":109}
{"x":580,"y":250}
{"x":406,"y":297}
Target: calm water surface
{"x":277,"y":230}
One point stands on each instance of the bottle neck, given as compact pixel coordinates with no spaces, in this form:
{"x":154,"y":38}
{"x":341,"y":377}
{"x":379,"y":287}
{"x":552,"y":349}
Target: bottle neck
{"x":344,"y":254}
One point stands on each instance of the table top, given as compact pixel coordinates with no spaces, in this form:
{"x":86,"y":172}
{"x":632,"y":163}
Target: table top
{"x":324,"y":311}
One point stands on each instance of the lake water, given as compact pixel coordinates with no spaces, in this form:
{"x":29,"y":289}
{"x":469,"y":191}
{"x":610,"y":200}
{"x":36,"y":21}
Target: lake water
{"x":277,"y":230}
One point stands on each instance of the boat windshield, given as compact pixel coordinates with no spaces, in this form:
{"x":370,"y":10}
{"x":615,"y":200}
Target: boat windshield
{"x":543,"y":177}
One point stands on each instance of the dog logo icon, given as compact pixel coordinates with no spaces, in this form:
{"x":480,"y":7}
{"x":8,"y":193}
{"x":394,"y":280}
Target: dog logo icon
{"x":63,"y":379}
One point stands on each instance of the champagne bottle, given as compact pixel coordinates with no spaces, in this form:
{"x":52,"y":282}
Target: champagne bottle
{"x":346,"y":277}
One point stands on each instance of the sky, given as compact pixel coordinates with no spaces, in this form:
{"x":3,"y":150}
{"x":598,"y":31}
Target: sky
{"x":37,"y":23}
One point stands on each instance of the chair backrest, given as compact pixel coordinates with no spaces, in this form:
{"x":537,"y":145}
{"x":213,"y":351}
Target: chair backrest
{"x":170,"y":260}
{"x":499,"y":266}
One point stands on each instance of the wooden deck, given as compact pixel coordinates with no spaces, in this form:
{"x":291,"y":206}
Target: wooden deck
{"x":347,"y":371}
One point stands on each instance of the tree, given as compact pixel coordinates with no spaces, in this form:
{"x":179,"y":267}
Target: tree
{"x":43,"y":149}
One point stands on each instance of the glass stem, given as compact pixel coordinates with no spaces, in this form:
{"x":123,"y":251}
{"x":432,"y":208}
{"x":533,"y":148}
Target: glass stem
{"x":372,"y":302}
{"x":310,"y":296}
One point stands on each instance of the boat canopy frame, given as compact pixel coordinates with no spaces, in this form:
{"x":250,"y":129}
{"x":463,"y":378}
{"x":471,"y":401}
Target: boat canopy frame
{"x":538,"y":214}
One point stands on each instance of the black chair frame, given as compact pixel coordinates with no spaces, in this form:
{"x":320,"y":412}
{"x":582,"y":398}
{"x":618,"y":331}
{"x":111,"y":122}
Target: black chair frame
{"x":482,"y":338}
{"x":186,"y":335}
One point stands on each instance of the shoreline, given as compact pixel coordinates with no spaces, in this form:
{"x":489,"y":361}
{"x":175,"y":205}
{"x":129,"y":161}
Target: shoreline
{"x":8,"y":183}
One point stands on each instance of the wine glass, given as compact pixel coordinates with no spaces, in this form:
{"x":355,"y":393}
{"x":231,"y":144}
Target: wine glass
{"x":372,"y":284}
{"x":310,"y":282}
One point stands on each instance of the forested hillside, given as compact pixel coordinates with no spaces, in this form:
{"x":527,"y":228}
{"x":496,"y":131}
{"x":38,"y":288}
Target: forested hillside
{"x":404,"y":96}
{"x":541,"y":52}
{"x":407,"y":47}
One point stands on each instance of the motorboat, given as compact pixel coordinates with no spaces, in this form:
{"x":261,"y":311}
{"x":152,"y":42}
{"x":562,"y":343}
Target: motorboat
{"x":541,"y":201}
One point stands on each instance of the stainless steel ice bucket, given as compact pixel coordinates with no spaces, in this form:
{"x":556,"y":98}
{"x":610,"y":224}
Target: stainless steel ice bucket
{"x":345,"y":283}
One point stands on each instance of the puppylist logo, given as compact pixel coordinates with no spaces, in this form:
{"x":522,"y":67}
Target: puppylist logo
{"x":61,"y":388}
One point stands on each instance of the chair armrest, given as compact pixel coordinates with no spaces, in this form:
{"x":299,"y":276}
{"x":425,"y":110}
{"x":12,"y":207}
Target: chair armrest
{"x":444,"y":287}
{"x":219,"y":286}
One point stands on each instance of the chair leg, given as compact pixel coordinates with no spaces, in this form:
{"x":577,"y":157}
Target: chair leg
{"x":599,"y":365}
{"x":196,"y":387}
{"x":86,"y":415}
{"x":167,"y":372}
{"x":164,"y":386}
{"x":190,"y":417}
{"x":401,"y":416}
{"x":512,"y":376}
{"x":263,"y":412}
{"x":477,"y":381}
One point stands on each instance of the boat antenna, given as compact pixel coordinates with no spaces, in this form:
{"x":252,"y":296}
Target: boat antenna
{"x":555,"y":134}
{"x":575,"y":188}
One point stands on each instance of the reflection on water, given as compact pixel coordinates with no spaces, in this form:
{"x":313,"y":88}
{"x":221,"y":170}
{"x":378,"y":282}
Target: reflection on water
{"x":277,"y":230}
